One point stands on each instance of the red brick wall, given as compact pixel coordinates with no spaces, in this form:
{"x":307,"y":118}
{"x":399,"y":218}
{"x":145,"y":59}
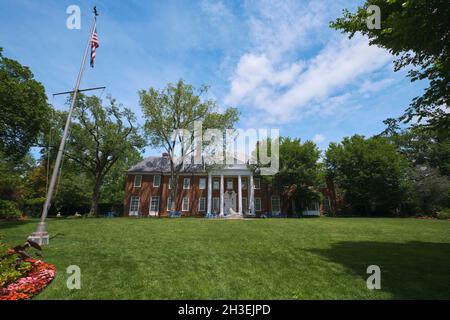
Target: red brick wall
{"x":147,"y":190}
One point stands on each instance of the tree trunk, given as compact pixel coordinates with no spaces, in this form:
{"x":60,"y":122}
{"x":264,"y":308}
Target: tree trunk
{"x":95,"y":197}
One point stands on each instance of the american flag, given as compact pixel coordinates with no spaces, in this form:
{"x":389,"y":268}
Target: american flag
{"x":94,"y":46}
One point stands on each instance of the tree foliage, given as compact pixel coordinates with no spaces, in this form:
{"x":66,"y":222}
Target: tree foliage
{"x":418,"y":33}
{"x":100,"y":137}
{"x":299,"y":170}
{"x":370,"y":171}
{"x":178,"y":107}
{"x":428,"y":190}
{"x":23,"y":109}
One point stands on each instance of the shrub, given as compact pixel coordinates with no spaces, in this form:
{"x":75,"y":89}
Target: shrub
{"x":444,"y":214}
{"x":33,"y":207}
{"x":9,"y":209}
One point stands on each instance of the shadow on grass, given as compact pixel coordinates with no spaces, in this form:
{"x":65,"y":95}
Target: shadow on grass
{"x":6,"y":224}
{"x":409,"y":270}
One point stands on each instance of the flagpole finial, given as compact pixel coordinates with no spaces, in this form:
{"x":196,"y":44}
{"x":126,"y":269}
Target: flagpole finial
{"x":95,"y":11}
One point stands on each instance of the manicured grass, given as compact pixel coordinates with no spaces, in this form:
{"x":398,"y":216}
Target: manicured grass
{"x":322,"y":258}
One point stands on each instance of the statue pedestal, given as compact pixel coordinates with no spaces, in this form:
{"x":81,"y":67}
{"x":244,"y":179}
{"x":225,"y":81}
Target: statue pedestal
{"x":40,"y":236}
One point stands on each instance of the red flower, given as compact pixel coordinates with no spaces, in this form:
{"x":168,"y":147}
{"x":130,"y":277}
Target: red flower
{"x":39,"y":276}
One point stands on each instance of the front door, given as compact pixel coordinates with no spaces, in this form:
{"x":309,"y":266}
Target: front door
{"x":229,"y":201}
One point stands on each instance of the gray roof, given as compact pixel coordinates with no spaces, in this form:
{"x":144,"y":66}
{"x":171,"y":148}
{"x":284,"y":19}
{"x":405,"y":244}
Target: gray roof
{"x":162,"y":164}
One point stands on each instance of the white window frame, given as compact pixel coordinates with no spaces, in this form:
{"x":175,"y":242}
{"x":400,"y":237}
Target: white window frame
{"x":170,"y":183}
{"x":200,"y":209}
{"x":214,"y":184}
{"x":134,"y":212}
{"x":159,"y":180}
{"x":140,"y":181}
{"x":185,"y":199}
{"x":244,"y":204}
{"x":244,"y":183}
{"x":257,"y":186}
{"x":154,"y":212}
{"x":216,"y":208}
{"x":202,"y":186}
{"x":184,"y":183}
{"x":228,"y":181}
{"x":279,"y":204}
{"x":258,"y":200}
{"x":169,"y":201}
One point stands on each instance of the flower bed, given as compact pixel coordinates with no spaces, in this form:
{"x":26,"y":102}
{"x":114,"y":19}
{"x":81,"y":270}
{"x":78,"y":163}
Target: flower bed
{"x":35,"y":280}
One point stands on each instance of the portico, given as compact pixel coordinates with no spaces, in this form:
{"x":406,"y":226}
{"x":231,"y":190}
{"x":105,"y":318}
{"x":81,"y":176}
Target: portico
{"x":231,"y":203}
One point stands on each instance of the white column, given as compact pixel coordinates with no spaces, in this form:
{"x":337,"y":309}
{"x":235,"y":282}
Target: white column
{"x":239,"y":195}
{"x":252,"y":196}
{"x":221,"y":194}
{"x":209,"y":193}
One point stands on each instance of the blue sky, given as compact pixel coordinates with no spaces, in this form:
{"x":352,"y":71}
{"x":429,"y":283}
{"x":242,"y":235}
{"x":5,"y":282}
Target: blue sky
{"x":277,"y":61}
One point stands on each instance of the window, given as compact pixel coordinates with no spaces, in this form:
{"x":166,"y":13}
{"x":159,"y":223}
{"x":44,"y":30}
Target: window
{"x":137,"y":181}
{"x":216,"y":185}
{"x":257,"y":204}
{"x":134,"y":206}
{"x":187,"y":183}
{"x":156,"y":180}
{"x":154,"y":205}
{"x":202,"y":204}
{"x":185,"y":204}
{"x":229,"y":184}
{"x":202,"y":183}
{"x":327,"y":204}
{"x":216,"y":204}
{"x":244,"y":205}
{"x":244,"y":184}
{"x":169,"y":203}
{"x":257,"y":183}
{"x":170,"y":183}
{"x":275,"y":202}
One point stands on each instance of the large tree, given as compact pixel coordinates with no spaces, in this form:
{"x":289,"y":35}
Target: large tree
{"x":178,"y":107}
{"x":23,"y":109}
{"x":299,"y":170}
{"x":422,"y":146}
{"x":418,"y":33}
{"x":371,"y":173}
{"x":100,"y":137}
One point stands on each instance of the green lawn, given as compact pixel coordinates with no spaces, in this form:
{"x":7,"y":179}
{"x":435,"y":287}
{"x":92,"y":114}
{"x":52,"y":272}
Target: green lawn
{"x":322,"y":258}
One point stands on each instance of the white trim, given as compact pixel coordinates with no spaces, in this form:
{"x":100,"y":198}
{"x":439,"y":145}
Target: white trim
{"x":271,"y":204}
{"x":168,"y":203}
{"x":159,"y":183}
{"x":184,"y":183}
{"x":216,"y":209}
{"x":244,"y":183}
{"x":260,"y":204}
{"x":228,"y":181}
{"x":245,"y":205}
{"x":183,"y":203}
{"x":140,"y":181}
{"x":153,"y":212}
{"x":134,"y":212}
{"x":199,"y":204}
{"x":257,"y":185}
{"x":200,"y":184}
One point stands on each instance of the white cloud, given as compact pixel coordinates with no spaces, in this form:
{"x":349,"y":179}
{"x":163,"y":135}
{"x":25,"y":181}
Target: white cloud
{"x":318,"y":138}
{"x":271,"y":78}
{"x":371,"y":86}
{"x":285,"y":91}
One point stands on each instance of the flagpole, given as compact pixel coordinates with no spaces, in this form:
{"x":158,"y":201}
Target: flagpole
{"x":41,"y":235}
